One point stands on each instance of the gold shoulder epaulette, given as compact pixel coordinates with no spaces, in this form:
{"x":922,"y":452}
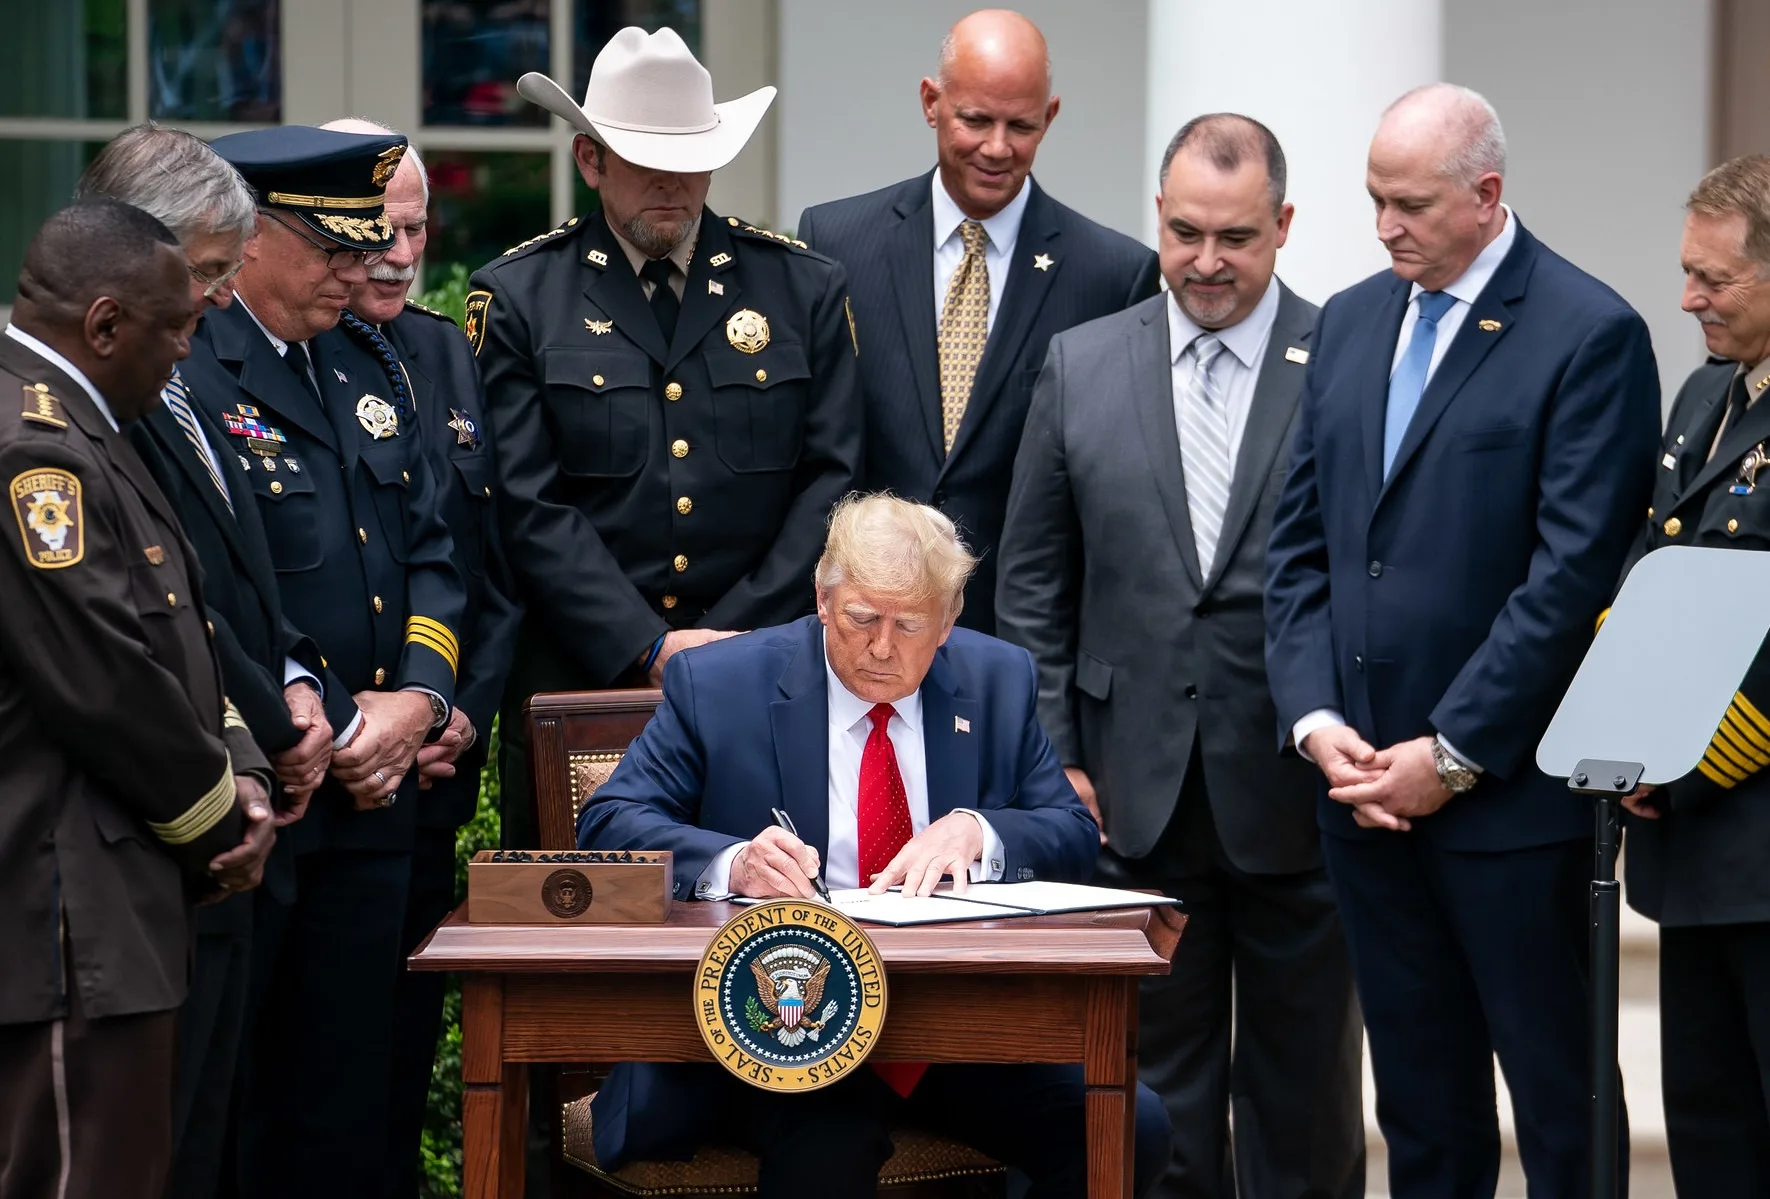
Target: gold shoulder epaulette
{"x":428,"y":311}
{"x":42,"y":407}
{"x":770,"y":234}
{"x":520,"y":246}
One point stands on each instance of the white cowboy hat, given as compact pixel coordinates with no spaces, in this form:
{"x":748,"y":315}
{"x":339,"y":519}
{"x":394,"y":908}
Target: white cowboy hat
{"x":650,"y":102}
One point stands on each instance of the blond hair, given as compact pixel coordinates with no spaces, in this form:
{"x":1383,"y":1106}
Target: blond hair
{"x":894,"y":547}
{"x":1739,"y":186}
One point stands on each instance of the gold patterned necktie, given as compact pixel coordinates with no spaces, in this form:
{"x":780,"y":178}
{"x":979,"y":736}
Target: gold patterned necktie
{"x":964,"y":328}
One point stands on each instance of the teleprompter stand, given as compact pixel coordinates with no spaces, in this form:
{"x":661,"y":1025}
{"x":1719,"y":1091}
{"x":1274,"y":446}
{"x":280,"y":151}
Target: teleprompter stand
{"x":1642,"y":709}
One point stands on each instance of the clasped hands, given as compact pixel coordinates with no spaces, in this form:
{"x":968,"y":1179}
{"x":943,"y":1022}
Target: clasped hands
{"x":385,"y":746}
{"x":776,"y":864}
{"x":1386,"y":788}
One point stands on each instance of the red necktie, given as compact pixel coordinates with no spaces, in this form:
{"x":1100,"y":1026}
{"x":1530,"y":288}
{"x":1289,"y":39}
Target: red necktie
{"x":883,"y":816}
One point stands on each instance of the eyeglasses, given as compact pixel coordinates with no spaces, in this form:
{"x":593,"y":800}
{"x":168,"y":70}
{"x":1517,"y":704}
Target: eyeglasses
{"x":211,"y":286}
{"x":337,"y":260}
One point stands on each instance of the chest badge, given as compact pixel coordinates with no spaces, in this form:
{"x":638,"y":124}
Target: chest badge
{"x":600,"y":328}
{"x":466,"y":432}
{"x":377,"y":417}
{"x":1755,"y":460}
{"x":747,"y":331}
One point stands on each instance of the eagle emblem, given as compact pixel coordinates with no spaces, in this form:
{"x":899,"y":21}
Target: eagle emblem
{"x":790,"y":985}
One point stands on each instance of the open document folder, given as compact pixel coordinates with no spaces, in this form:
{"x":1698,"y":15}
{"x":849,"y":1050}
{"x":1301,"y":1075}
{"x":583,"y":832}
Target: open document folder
{"x":983,"y":901}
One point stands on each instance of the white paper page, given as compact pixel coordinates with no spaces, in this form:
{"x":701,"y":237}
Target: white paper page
{"x":894,"y":907}
{"x":1059,"y":897}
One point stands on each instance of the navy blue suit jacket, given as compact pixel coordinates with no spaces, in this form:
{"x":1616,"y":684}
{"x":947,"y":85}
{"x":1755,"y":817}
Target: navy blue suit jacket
{"x":1459,"y":595}
{"x":744,"y":727}
{"x":886,"y":241}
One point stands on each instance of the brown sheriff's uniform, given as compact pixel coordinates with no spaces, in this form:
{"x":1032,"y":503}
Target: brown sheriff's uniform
{"x":118,"y":753}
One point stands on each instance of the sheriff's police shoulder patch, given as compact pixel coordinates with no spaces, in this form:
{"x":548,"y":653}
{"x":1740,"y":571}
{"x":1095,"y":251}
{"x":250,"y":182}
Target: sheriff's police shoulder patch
{"x":46,"y":501}
{"x":790,"y":995}
{"x":479,"y":304}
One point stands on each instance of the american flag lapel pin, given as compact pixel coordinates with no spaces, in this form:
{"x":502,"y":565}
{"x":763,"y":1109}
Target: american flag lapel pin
{"x":961,"y":725}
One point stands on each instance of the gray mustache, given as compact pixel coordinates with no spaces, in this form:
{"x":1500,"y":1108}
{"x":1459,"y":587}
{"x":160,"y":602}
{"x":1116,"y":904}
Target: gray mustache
{"x":381,"y":272}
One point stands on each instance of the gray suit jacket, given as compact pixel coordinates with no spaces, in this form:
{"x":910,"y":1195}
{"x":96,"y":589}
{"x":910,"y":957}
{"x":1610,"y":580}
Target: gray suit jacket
{"x":1143,"y":662}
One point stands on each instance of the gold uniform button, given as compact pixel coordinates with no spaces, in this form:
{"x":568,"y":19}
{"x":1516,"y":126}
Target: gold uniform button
{"x":681,"y":563}
{"x":679,"y":448}
{"x":405,"y":476}
{"x":684,"y":505}
{"x":488,"y":492}
{"x":171,"y":599}
{"x":672,"y":392}
{"x":1733,"y":526}
{"x":211,"y":625}
{"x":596,"y":379}
{"x":362,"y":535}
{"x":761,"y":376}
{"x":377,"y":603}
{"x":732,"y":221}
{"x":1650,"y":514}
{"x":1673,"y":527}
{"x":380,"y":676}
{"x":276,"y":488}
{"x":669,"y":601}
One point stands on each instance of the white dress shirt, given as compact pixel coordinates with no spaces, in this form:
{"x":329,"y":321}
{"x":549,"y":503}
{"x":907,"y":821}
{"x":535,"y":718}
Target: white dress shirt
{"x":73,"y":372}
{"x":850,"y":725}
{"x":1463,"y":290}
{"x":1236,"y":372}
{"x":1003,"y":232}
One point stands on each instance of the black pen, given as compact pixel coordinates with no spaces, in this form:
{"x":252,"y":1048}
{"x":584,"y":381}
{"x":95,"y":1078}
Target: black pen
{"x":786,"y":822}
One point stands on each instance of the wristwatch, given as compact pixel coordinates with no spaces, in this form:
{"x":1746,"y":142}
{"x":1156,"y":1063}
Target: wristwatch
{"x":439,"y":714}
{"x":1456,"y":777}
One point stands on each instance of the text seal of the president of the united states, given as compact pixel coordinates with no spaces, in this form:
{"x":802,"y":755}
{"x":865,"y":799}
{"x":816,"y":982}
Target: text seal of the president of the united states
{"x":790,"y":995}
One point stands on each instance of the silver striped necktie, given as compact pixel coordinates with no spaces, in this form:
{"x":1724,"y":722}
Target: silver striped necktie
{"x":177,"y":400}
{"x":1204,"y":451}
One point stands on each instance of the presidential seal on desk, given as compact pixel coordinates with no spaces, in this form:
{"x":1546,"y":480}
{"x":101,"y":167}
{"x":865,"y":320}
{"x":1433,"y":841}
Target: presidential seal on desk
{"x":790,"y":995}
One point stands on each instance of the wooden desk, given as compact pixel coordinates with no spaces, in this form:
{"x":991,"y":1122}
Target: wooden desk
{"x":1037,"y":989}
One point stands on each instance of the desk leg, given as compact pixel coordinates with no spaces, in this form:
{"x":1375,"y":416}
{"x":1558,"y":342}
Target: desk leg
{"x":1109,"y":1069}
{"x":494,"y":1097}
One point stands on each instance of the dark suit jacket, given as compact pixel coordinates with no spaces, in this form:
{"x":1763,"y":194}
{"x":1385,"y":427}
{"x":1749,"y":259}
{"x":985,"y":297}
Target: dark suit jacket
{"x":458,"y":438}
{"x":1458,"y":595}
{"x":1703,"y":861}
{"x":886,"y":240}
{"x":744,"y":727}
{"x":1143,"y":662}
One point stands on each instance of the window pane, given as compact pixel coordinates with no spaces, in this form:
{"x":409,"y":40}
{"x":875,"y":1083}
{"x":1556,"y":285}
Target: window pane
{"x":595,"y":21}
{"x":214,"y":60}
{"x":474,"y":52}
{"x":70,"y":61}
{"x":47,"y":172}
{"x":481,"y":204}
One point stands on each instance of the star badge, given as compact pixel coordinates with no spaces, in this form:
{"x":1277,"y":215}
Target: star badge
{"x":466,"y":432}
{"x":1042,"y":262}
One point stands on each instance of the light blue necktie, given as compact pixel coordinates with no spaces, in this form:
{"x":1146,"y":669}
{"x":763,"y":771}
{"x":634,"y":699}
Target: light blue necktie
{"x":1408,"y":382}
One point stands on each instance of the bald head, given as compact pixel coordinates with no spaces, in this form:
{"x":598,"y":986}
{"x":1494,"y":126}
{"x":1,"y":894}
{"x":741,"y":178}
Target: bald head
{"x":989,"y":106}
{"x":382,"y":296}
{"x":1435,"y":173}
{"x":994,"y":39}
{"x":1454,"y":126}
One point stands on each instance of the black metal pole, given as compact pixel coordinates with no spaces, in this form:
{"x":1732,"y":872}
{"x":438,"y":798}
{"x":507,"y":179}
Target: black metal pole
{"x":1606,"y":933}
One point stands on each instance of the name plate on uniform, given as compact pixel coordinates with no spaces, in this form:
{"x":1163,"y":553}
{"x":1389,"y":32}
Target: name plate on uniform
{"x":507,"y":886}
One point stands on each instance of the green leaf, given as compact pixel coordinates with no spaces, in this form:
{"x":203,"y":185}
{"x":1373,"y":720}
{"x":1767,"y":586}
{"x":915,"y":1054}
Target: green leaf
{"x":755,"y":1015}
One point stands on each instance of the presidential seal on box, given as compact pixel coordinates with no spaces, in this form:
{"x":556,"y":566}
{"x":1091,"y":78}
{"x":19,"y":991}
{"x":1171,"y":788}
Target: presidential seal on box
{"x":790,"y":995}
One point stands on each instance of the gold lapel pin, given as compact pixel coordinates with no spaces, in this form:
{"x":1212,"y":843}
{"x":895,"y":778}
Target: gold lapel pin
{"x":1488,"y":326}
{"x":599,"y":327}
{"x":598,"y":258}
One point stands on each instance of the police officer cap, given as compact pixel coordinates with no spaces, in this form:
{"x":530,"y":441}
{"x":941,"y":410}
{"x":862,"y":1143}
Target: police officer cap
{"x":335,"y":183}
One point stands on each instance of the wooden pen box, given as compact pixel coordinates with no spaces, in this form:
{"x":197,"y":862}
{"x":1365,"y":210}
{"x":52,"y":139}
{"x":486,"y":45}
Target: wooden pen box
{"x":568,"y":887}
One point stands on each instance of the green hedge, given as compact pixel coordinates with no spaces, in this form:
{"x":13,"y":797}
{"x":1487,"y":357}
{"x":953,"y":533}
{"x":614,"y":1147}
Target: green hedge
{"x":442,"y":1118}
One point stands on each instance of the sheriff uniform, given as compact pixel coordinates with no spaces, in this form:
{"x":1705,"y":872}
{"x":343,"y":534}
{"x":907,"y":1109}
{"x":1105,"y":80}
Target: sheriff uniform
{"x":654,"y":481}
{"x":118,"y":755}
{"x":324,"y":434}
{"x":1699,"y":870}
{"x":451,"y":420}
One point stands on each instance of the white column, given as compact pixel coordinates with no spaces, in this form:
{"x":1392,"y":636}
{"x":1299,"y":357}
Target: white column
{"x":1319,"y":76}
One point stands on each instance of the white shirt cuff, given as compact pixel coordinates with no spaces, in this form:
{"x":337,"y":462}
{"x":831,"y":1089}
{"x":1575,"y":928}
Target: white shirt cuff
{"x":1458,"y":754}
{"x":988,"y":867}
{"x":715,"y":880}
{"x":295,"y":672}
{"x":343,"y":739}
{"x":1311,"y":722}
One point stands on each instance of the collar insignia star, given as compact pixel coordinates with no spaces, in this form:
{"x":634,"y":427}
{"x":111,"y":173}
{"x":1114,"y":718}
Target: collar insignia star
{"x":1042,"y":262}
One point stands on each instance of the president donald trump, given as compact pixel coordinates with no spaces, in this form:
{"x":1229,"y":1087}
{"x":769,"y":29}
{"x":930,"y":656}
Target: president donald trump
{"x":905,"y":751}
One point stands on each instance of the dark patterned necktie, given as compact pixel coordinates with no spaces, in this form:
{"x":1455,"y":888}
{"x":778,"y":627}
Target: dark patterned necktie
{"x":176,"y":397}
{"x":664,"y":304}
